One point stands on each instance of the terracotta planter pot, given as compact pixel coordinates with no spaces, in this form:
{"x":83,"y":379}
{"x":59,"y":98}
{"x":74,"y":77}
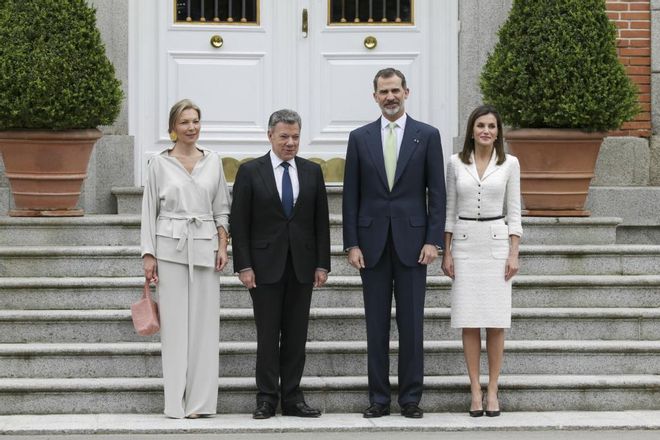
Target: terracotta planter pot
{"x":556,"y":168}
{"x":46,"y":169}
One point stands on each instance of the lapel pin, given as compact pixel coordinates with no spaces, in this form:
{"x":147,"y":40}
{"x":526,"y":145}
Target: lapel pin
{"x":416,"y":141}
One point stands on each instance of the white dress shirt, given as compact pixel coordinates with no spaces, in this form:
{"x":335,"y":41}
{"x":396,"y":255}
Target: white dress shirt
{"x":278,"y":170}
{"x":400,"y":126}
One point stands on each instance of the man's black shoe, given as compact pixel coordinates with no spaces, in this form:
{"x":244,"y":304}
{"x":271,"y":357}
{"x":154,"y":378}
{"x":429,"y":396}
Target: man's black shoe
{"x":300,"y":409}
{"x":264,"y":410}
{"x":376,"y":410}
{"x":412,"y":411}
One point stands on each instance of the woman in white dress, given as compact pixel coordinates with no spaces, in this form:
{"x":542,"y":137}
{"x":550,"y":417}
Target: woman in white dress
{"x":185,"y":219}
{"x":481,"y":250}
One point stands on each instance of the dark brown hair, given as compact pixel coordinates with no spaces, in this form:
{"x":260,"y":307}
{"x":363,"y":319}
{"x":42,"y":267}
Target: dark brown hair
{"x":388,"y":73}
{"x":468,"y":145}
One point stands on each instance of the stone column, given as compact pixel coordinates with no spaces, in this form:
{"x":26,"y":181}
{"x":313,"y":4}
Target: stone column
{"x":479,"y":22}
{"x":112,"y":161}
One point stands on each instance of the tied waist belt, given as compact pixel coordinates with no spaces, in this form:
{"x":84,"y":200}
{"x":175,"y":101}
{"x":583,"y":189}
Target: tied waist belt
{"x":481,"y":219}
{"x":187,"y":234}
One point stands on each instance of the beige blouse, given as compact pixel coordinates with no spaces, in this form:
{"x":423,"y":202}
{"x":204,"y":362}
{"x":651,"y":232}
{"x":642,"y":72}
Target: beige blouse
{"x":181,"y":211}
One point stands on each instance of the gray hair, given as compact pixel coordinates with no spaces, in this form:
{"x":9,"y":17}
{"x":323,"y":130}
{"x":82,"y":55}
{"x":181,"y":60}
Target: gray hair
{"x":286,"y":116}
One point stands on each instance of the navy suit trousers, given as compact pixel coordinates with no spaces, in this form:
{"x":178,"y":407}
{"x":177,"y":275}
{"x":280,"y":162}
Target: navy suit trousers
{"x":408,"y":284}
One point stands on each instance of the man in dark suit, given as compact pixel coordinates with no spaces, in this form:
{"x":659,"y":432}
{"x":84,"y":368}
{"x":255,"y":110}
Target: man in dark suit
{"x":393,"y":221}
{"x":281,"y":250}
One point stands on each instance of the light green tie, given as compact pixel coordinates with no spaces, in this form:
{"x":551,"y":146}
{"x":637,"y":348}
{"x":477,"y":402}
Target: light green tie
{"x":390,"y":154}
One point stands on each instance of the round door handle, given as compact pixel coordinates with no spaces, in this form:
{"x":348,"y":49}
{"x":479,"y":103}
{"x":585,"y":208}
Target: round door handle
{"x":217,"y":41}
{"x":370,"y":42}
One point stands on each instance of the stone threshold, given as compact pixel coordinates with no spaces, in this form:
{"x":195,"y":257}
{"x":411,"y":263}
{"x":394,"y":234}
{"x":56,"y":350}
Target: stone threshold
{"x":70,"y":424}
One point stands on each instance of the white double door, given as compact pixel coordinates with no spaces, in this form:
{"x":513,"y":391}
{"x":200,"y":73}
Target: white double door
{"x":325,"y":74}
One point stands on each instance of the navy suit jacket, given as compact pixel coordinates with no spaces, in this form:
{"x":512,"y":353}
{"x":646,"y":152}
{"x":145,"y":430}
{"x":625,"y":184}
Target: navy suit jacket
{"x":414,"y":209}
{"x":262,"y":235}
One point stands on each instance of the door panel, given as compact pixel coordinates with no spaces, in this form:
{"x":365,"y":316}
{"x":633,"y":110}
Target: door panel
{"x":342,"y":97}
{"x":346,"y":98}
{"x":215,"y":81}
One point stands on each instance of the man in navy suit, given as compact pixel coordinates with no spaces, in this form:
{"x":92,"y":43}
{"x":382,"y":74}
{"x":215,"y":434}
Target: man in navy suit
{"x":393,"y":221}
{"x":281,"y":250}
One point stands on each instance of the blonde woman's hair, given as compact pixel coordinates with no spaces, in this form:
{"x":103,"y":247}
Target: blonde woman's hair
{"x":179,"y":108}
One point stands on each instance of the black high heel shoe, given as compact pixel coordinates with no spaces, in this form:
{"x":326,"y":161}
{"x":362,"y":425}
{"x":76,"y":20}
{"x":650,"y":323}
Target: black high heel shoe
{"x":478,"y":412}
{"x":495,"y":413}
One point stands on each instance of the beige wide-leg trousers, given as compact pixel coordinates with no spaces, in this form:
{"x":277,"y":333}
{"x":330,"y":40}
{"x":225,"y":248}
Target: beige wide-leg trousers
{"x":190,"y":334}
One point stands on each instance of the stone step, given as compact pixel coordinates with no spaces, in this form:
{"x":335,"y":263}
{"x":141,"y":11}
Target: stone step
{"x":90,"y":230}
{"x":637,"y":206}
{"x":124,"y":229}
{"x":122,"y":261}
{"x":332,"y":324}
{"x":330,"y":358}
{"x":602,"y":425}
{"x":129,"y":199}
{"x":335,"y":394}
{"x":32,"y":293}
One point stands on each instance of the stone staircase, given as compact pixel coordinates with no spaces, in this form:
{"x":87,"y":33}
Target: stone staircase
{"x":585,"y":334}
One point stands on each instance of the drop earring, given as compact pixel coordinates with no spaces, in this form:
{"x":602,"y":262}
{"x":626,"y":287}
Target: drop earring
{"x":173,"y":136}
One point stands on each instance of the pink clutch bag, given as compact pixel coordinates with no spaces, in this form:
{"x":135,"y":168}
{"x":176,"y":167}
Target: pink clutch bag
{"x":145,"y":314}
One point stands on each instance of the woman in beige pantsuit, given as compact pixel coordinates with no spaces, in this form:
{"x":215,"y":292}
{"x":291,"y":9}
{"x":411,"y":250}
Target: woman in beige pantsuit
{"x":481,"y":250}
{"x":185,"y":219}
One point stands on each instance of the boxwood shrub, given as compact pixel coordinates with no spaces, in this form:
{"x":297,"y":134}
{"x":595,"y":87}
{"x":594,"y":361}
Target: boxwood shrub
{"x":54,"y":73}
{"x":555,"y":66}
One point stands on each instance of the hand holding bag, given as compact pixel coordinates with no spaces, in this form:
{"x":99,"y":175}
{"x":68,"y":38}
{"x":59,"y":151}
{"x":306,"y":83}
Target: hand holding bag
{"x":145,"y":314}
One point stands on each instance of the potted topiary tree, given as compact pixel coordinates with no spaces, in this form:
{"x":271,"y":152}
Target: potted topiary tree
{"x":56,"y":87}
{"x":555,"y":78}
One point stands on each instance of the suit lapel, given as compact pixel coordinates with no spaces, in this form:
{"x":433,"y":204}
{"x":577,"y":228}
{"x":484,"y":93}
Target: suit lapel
{"x":409,"y":144}
{"x":471,"y":168}
{"x":303,"y":184}
{"x":375,"y":148}
{"x":268,"y":177}
{"x":490,"y":169}
{"x":492,"y":166}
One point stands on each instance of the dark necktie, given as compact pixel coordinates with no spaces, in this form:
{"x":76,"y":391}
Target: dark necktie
{"x":287,"y":190}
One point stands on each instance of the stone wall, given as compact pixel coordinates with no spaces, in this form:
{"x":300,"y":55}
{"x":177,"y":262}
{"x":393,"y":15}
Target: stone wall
{"x":479,"y":23}
{"x":632,"y":19}
{"x":654,"y":177}
{"x":112,"y":161}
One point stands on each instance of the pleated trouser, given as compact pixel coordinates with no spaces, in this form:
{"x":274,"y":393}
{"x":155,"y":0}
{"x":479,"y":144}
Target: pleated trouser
{"x":190,"y":334}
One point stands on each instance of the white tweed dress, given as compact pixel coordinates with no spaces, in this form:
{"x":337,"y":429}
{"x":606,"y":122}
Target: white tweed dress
{"x":480,"y":297}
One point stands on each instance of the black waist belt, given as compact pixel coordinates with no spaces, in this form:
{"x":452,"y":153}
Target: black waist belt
{"x":481,"y":219}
